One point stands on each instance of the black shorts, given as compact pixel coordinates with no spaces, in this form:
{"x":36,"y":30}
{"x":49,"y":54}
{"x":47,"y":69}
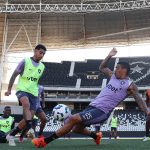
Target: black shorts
{"x":113,"y":129}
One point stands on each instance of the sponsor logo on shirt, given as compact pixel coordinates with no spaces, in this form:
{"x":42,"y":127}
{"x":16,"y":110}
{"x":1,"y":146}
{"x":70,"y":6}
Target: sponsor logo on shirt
{"x":32,"y":79}
{"x":112,"y":88}
{"x":4,"y":126}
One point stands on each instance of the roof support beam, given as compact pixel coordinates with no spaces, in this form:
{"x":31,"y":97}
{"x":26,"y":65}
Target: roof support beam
{"x":74,"y":8}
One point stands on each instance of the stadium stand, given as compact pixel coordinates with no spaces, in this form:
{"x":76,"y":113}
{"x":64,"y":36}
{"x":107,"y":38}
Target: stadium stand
{"x":131,"y":120}
{"x":59,"y":29}
{"x":57,"y":74}
{"x":140,"y":69}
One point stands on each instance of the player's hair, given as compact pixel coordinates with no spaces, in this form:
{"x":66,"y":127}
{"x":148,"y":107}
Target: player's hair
{"x":40,"y":46}
{"x":7,"y":107}
{"x":125,"y":65}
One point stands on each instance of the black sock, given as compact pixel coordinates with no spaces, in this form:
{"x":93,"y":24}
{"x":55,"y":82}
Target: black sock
{"x":110,"y":136}
{"x":51,"y":138}
{"x":28,"y":124}
{"x":147,"y":129}
{"x":15,"y":131}
{"x":23,"y":133}
{"x":93,"y":135}
{"x":40,"y":133}
{"x":147,"y":132}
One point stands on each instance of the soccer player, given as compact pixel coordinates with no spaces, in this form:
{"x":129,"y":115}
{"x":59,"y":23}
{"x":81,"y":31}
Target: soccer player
{"x":114,"y":125}
{"x":118,"y":88}
{"x":30,"y":71}
{"x":6,"y":124}
{"x":147,"y":125}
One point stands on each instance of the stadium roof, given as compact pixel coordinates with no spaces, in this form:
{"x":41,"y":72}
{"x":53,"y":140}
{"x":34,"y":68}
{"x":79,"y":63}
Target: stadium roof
{"x":74,"y":23}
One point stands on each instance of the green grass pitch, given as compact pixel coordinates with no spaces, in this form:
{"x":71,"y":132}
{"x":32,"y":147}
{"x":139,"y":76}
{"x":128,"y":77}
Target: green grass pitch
{"x":85,"y":144}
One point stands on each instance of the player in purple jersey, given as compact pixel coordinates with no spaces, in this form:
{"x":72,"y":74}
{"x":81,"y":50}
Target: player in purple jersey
{"x":118,"y":88}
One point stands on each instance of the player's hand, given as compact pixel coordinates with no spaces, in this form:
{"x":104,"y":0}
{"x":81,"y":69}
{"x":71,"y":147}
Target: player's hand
{"x":7,"y":93}
{"x":113,"y":52}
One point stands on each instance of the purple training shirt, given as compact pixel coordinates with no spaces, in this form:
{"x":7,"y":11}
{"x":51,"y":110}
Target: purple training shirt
{"x":114,"y":92}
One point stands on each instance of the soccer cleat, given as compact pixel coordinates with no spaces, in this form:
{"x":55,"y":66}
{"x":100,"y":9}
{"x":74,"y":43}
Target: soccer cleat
{"x":20,"y":139}
{"x":145,"y":139}
{"x":11,"y":141}
{"x":98,"y":138}
{"x":39,"y":142}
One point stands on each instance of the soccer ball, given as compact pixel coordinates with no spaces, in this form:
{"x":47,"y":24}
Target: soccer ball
{"x":61,"y":112}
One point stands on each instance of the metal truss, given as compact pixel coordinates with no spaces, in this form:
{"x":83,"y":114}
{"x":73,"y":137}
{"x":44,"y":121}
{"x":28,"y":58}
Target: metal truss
{"x":74,"y":8}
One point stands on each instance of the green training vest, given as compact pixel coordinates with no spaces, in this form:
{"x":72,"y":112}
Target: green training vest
{"x":114,"y":122}
{"x":28,"y":82}
{"x":6,"y":123}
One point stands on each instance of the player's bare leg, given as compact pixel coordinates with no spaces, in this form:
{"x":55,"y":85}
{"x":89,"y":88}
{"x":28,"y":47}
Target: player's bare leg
{"x":22,"y":126}
{"x":72,"y":121}
{"x":80,"y":129}
{"x":115,"y":134}
{"x":111,"y":134}
{"x":27,"y":117}
{"x":26,"y":114}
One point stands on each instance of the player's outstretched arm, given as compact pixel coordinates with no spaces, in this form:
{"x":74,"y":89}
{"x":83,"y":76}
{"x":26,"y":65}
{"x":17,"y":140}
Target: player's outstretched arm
{"x":103,"y":66}
{"x":11,"y":82}
{"x":133,"y":90}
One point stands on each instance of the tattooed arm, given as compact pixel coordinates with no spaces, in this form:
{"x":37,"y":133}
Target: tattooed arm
{"x":133,"y":90}
{"x":11,"y":82}
{"x":103,"y":66}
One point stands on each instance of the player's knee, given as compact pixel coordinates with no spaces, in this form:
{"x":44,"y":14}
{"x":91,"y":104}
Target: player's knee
{"x":75,"y":119}
{"x":75,"y":130}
